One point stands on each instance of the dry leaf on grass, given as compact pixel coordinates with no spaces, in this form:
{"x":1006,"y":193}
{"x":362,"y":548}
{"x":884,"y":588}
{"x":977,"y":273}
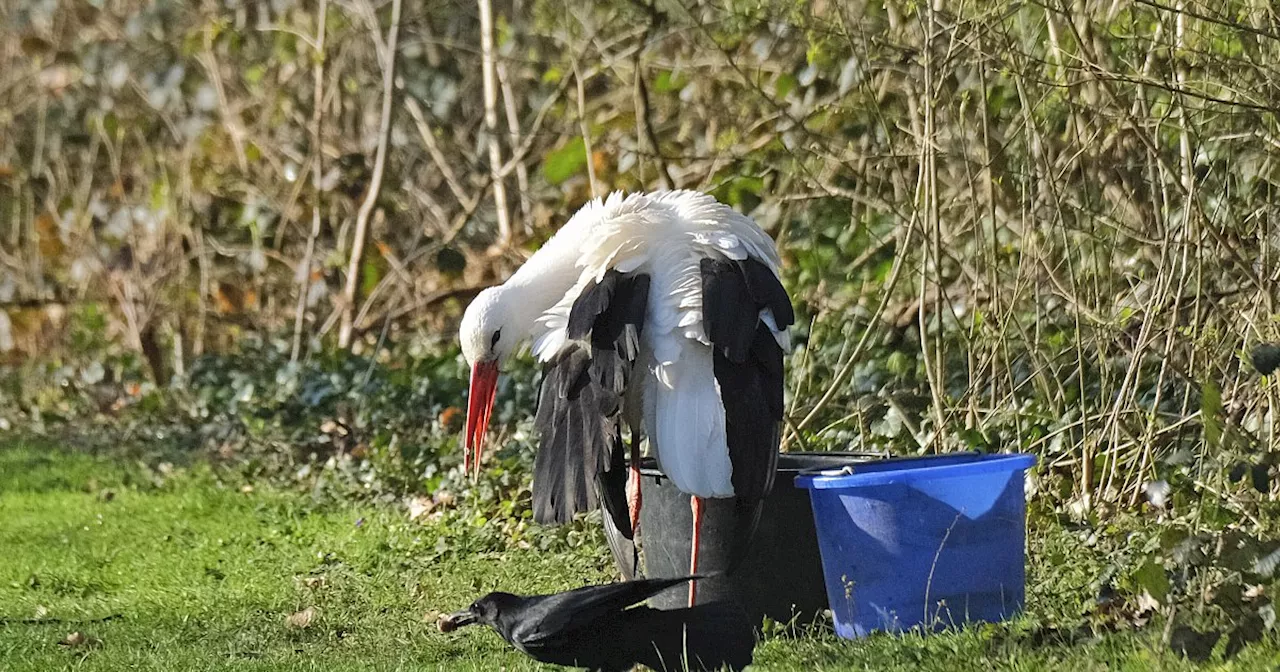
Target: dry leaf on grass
{"x":79,"y":640}
{"x":301,"y":619}
{"x":418,"y":506}
{"x":446,"y":624}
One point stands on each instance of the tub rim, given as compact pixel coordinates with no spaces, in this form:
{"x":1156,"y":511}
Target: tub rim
{"x":906,"y":470}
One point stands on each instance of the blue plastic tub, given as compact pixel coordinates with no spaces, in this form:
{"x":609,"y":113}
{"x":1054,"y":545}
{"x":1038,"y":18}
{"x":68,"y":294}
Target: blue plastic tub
{"x":928,"y":542}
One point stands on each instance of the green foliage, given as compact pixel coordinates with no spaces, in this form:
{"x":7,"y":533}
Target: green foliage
{"x":564,"y":162}
{"x":216,"y":573}
{"x":209,"y":573}
{"x":1003,"y":229}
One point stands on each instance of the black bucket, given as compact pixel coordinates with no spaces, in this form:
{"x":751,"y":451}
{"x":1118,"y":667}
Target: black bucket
{"x":781,"y":577}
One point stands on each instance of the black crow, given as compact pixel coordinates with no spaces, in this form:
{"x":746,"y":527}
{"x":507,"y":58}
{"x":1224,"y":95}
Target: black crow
{"x":598,"y":628}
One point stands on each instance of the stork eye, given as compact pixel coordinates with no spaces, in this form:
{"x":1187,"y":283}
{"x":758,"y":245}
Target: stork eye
{"x":496,"y":335}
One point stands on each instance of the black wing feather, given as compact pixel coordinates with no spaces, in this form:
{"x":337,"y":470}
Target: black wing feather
{"x":764,"y":288}
{"x":729,"y":314}
{"x":580,"y":402}
{"x":747,"y":361}
{"x":611,"y":489}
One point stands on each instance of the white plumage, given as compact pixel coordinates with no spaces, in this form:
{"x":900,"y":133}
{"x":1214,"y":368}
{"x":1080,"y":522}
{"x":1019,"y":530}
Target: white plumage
{"x":664,"y":235}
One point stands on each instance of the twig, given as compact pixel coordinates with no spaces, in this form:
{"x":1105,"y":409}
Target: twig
{"x":640,"y":94}
{"x":491,"y":120}
{"x":1234,"y":25}
{"x":513,"y":131}
{"x":433,"y":148}
{"x":375,"y":181}
{"x":59,"y":621}
{"x":934,"y":362}
{"x":210,"y":63}
{"x":837,"y":381}
{"x":317,"y":179}
{"x":586,"y":129}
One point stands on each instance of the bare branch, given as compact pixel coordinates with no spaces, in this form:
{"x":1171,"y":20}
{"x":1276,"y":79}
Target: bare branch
{"x":491,"y":120}
{"x":586,"y":128}
{"x":513,"y":133}
{"x":317,"y":176}
{"x":375,"y":181}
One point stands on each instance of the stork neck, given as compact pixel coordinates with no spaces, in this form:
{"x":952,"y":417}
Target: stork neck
{"x":545,"y":278}
{"x":535,"y":288}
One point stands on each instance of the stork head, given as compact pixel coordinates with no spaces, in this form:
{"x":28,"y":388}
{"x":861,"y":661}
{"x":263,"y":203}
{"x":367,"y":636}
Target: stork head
{"x":488,"y":331}
{"x":489,"y":334}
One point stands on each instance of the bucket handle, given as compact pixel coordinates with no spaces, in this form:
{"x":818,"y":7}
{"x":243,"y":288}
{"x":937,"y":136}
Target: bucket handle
{"x":850,"y":469}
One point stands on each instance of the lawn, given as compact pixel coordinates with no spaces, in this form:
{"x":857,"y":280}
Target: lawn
{"x":178,"y":570}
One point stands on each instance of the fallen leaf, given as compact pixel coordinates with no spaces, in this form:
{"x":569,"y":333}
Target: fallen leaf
{"x":301,"y":619}
{"x":50,"y":242}
{"x":418,"y":506}
{"x":33,"y":45}
{"x":446,"y":624}
{"x":451,"y":419}
{"x":1147,"y":603}
{"x":79,"y":640}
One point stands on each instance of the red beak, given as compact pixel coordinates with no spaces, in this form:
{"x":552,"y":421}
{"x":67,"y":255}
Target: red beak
{"x":484,"y":386}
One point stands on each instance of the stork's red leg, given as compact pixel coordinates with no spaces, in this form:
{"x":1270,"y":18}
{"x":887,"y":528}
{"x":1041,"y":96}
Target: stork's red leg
{"x":696,"y":505}
{"x":633,"y":489}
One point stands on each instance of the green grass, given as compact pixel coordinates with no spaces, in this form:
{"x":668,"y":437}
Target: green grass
{"x":190,"y":574}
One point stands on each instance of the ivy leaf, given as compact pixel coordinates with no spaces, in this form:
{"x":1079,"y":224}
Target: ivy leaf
{"x":1152,"y":578}
{"x":1249,"y":631}
{"x":1192,"y":644}
{"x":1260,"y":475}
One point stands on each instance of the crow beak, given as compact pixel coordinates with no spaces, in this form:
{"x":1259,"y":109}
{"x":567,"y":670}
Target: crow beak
{"x":484,"y":386}
{"x":457,"y":620}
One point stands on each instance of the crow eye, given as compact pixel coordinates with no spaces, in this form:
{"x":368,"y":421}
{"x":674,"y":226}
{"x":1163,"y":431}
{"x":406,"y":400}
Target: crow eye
{"x":496,"y":335}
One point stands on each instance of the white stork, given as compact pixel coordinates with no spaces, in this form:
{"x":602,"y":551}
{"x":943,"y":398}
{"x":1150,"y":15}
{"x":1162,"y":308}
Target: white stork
{"x":663,"y":312}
